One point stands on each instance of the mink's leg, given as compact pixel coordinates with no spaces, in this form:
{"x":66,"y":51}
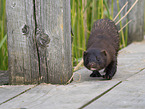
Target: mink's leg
{"x":110,"y":70}
{"x":95,"y":74}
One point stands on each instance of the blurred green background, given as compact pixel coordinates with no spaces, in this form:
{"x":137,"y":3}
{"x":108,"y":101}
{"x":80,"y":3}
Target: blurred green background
{"x":3,"y":37}
{"x":83,"y":14}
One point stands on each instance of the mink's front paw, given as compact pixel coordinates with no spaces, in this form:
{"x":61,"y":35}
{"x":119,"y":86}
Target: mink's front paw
{"x":95,"y":74}
{"x":108,"y":77}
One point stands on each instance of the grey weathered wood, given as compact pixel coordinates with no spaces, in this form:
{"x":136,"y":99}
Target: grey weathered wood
{"x":53,"y":17}
{"x":39,"y":41}
{"x":4,"y":77}
{"x":8,"y":91}
{"x":115,"y":11}
{"x":70,"y":96}
{"x":136,"y":27}
{"x":22,"y":51}
{"x":128,"y":95}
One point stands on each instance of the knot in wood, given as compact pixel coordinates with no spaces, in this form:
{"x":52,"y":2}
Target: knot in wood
{"x":42,"y":39}
{"x":25,"y":29}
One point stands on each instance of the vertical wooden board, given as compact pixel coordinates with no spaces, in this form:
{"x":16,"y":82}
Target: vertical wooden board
{"x":136,"y":28}
{"x":115,"y":11}
{"x":23,"y":63}
{"x":67,"y":56}
{"x":30,"y":24}
{"x":40,"y":10}
{"x":53,"y":17}
{"x":31,"y":38}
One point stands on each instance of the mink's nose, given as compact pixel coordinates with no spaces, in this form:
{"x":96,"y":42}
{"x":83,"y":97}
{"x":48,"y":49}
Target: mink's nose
{"x":92,"y":65}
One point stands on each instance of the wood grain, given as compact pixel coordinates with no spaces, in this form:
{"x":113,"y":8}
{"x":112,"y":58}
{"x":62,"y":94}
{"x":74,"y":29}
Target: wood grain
{"x":136,"y":27}
{"x":39,"y":41}
{"x":22,"y":51}
{"x":53,"y":17}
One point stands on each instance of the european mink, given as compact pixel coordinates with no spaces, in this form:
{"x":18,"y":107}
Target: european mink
{"x":102,"y":49}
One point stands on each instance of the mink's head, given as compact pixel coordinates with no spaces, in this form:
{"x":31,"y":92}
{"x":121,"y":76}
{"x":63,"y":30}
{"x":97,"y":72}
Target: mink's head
{"x":95,"y":59}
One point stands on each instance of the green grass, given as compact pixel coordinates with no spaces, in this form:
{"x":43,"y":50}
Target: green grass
{"x":123,"y":42}
{"x":3,"y":37}
{"x":83,"y":14}
{"x":144,"y":18}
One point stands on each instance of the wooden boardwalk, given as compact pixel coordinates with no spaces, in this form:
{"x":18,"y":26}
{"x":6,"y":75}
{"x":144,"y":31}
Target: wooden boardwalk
{"x":125,"y":91}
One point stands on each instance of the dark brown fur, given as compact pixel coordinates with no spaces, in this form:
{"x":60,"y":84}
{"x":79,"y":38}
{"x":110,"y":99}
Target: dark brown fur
{"x":102,"y":49}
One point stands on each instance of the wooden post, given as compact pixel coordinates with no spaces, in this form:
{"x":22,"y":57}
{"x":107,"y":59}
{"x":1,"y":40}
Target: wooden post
{"x":136,"y":27}
{"x":115,"y":11}
{"x":39,"y":41}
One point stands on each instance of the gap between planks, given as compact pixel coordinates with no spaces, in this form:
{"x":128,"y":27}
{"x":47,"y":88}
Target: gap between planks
{"x":99,"y":96}
{"x":18,"y":94}
{"x":86,"y":104}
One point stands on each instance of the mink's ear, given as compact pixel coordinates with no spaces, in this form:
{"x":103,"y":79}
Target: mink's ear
{"x":85,"y":53}
{"x":104,"y":52}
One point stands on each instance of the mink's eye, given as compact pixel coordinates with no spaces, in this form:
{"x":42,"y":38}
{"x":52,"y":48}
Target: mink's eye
{"x":97,"y":59}
{"x":87,"y":59}
{"x":85,"y":53}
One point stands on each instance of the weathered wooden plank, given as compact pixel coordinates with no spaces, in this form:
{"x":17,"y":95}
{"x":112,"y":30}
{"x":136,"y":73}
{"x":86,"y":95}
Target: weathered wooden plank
{"x":70,"y":96}
{"x":7,"y":92}
{"x":128,"y":95}
{"x":39,"y":41}
{"x":136,"y":28}
{"x":53,"y":18}
{"x":22,"y":51}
